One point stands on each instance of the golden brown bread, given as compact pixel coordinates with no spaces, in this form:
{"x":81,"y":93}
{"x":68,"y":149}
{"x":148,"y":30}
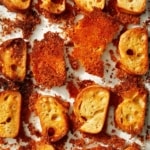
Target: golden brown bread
{"x":16,"y":5}
{"x":89,"y":5}
{"x":130,"y":113}
{"x":132,"y":148}
{"x":13,"y":59}
{"x":90,"y":108}
{"x":132,"y":6}
{"x":133,"y":50}
{"x":53,"y":117}
{"x":10,"y":106}
{"x":52,"y":6}
{"x":44,"y":146}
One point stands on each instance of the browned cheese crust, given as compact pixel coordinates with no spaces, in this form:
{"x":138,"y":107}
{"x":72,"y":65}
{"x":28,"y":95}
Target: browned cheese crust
{"x":47,"y":61}
{"x":90,"y":37}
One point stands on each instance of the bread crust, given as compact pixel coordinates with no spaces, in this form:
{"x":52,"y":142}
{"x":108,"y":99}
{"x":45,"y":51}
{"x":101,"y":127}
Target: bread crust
{"x":90,"y":108}
{"x":132,"y":6}
{"x":130,"y":113}
{"x":10,"y":104}
{"x":13,"y":59}
{"x":16,"y":5}
{"x":53,"y":117}
{"x":133,"y":50}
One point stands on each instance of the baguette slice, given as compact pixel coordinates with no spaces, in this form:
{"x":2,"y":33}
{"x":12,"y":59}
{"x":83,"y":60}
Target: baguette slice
{"x":130,"y":113}
{"x":44,"y":146}
{"x":89,"y":5}
{"x":53,"y":117}
{"x":132,"y":148}
{"x":16,"y":5}
{"x":53,"y":7}
{"x":90,"y":108}
{"x":133,"y":50}
{"x":10,"y":104}
{"x":132,"y":6}
{"x":13,"y":59}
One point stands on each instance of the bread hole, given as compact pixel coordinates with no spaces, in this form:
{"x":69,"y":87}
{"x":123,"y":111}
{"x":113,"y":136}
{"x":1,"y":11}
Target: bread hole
{"x":121,"y":120}
{"x":47,"y":114}
{"x":136,"y":100}
{"x":90,"y":3}
{"x":54,"y":117}
{"x":130,"y":1}
{"x":128,"y":117}
{"x":129,"y":52}
{"x":43,"y":105}
{"x":8,"y":120}
{"x":14,"y":97}
{"x":139,"y":55}
{"x":84,"y":118}
{"x":6,"y":97}
{"x":131,"y":8}
{"x":51,"y":132}
{"x":136,"y":113}
{"x":14,"y":67}
{"x":13,"y":107}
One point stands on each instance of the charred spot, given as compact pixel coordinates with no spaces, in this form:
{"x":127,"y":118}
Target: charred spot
{"x":129,"y":52}
{"x":51,"y":132}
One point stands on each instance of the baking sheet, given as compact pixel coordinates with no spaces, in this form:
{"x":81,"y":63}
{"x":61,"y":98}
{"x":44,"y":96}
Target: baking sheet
{"x":38,"y":33}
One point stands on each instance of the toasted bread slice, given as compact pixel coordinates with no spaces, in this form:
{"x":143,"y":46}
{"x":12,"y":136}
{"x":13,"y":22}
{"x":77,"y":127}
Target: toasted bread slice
{"x":132,"y":6}
{"x":130,"y":113}
{"x":53,"y":117}
{"x":44,"y":146}
{"x":89,"y":5}
{"x":10,"y":104}
{"x":132,"y":148}
{"x":133,"y":50}
{"x":90,"y":108}
{"x":53,"y":7}
{"x":16,"y":5}
{"x":13,"y":59}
